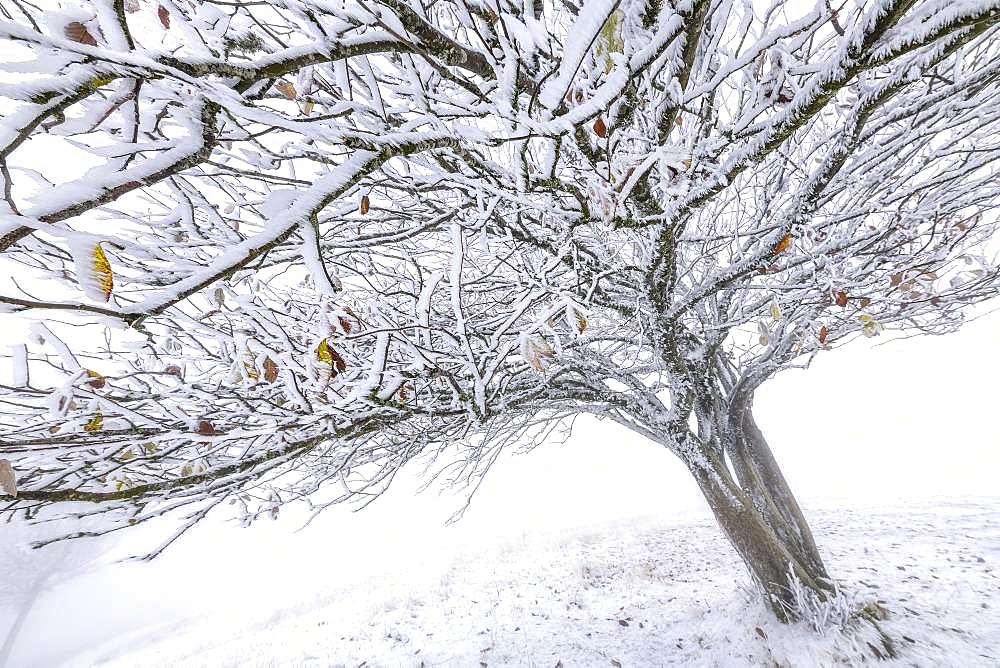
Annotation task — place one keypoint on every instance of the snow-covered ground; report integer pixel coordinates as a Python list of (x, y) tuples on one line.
[(639, 593)]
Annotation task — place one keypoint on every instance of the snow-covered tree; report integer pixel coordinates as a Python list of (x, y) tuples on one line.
[(277, 250)]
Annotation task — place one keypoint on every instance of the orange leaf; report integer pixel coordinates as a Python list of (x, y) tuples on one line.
[(840, 297), (782, 245), (78, 32), (286, 88), (823, 333), (365, 204), (600, 129)]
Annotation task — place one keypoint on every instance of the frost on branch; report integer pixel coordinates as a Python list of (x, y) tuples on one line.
[(278, 250)]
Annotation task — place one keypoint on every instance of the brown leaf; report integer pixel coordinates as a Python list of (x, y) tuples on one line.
[(365, 204), (679, 120), (286, 88), (131, 6), (896, 279), (174, 370), (760, 632), (865, 301), (8, 483), (270, 370), (936, 301), (782, 245), (600, 129), (96, 380), (78, 32), (840, 298), (338, 362), (164, 16), (345, 324), (823, 333), (206, 428)]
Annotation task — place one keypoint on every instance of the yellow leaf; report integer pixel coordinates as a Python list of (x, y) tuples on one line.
[(96, 423), (102, 271), (323, 353), (307, 108), (775, 312)]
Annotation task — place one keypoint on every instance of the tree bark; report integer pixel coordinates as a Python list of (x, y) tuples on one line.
[(769, 549), (761, 479)]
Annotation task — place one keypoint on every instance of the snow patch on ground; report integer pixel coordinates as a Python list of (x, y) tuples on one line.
[(639, 593)]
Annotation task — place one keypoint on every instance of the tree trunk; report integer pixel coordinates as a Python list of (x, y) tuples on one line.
[(771, 550), (761, 479)]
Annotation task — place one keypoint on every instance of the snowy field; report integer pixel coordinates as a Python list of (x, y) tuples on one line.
[(892, 451), (643, 593)]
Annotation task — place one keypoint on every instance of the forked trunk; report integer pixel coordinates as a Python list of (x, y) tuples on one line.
[(763, 522), (760, 478)]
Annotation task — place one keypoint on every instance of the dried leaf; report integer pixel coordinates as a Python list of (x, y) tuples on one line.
[(824, 332), (865, 301), (872, 328), (365, 204), (206, 428), (600, 129), (326, 354), (775, 312), (8, 482), (164, 16), (270, 370), (307, 108), (78, 32), (896, 279), (219, 295), (131, 6), (840, 298), (536, 351), (782, 245), (96, 381), (174, 370), (286, 88), (96, 423), (102, 271)]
